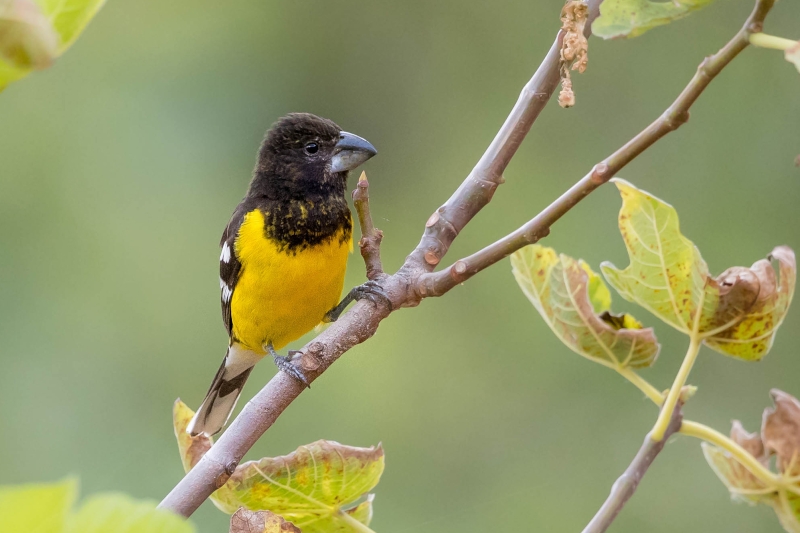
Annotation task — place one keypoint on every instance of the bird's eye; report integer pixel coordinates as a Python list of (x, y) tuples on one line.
[(312, 148)]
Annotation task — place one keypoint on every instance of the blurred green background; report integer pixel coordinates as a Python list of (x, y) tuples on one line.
[(122, 163)]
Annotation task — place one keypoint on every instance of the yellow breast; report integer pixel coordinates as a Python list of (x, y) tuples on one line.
[(281, 295)]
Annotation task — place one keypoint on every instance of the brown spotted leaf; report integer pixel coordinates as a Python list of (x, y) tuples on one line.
[(318, 487), (667, 275), (780, 431), (752, 335), (735, 313), (576, 304), (245, 521)]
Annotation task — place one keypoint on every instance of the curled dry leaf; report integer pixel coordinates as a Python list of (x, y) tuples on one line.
[(246, 521), (574, 48), (736, 313), (752, 334), (576, 304), (780, 431), (630, 18), (316, 487), (780, 435)]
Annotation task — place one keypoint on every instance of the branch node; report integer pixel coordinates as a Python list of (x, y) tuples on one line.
[(309, 360), (433, 219), (600, 173), (432, 257), (460, 267)]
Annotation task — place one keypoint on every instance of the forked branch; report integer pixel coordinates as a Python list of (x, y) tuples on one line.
[(416, 280), (438, 283)]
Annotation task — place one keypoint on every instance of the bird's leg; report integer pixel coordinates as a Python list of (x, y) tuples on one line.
[(284, 364), (369, 290)]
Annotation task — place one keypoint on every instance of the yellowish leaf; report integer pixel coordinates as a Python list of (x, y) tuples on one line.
[(576, 304), (667, 275), (735, 313), (41, 507), (630, 18), (317, 487), (35, 32)]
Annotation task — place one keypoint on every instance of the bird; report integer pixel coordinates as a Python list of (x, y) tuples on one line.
[(284, 254)]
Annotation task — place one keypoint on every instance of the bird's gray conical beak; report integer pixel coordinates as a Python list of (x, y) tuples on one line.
[(350, 152)]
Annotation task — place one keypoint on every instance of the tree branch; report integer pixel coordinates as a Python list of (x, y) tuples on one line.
[(626, 484), (363, 319), (438, 283), (371, 237), (444, 225), (415, 279)]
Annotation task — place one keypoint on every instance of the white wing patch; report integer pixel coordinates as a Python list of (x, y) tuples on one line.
[(225, 256), (226, 291)]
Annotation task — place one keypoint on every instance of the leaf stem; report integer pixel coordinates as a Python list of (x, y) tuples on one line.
[(701, 431), (355, 524), (675, 391), (763, 40), (642, 384)]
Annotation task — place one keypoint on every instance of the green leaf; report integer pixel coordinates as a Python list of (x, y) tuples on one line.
[(667, 276), (34, 32), (40, 508), (630, 18), (315, 487), (576, 304), (118, 513), (27, 39), (245, 521), (70, 17), (736, 313)]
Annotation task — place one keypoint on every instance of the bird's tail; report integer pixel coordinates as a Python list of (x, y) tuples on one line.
[(221, 398)]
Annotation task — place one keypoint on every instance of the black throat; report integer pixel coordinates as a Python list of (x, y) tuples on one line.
[(300, 218)]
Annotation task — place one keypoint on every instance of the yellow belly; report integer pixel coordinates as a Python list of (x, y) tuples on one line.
[(281, 296)]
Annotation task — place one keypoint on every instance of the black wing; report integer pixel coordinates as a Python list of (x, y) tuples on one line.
[(229, 266)]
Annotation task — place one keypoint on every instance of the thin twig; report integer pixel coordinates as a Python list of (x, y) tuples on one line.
[(626, 484), (438, 283), (371, 237)]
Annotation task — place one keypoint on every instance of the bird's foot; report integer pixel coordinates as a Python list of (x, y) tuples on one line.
[(284, 364), (370, 290)]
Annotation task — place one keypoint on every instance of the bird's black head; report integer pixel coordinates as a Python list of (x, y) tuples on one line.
[(304, 156)]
